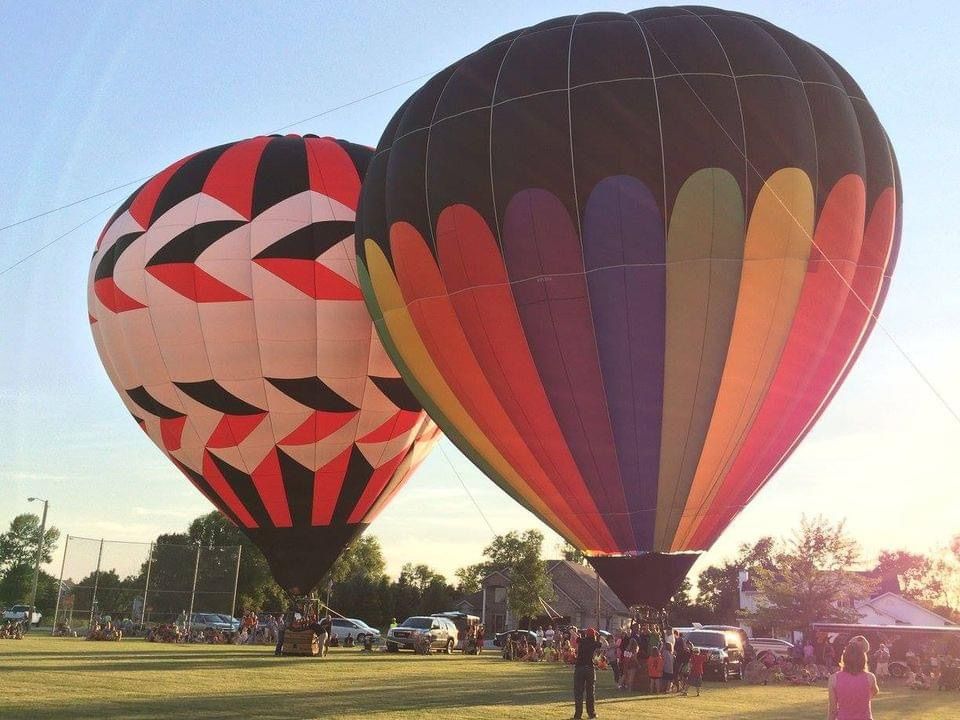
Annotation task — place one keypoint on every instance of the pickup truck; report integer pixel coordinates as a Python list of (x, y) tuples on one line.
[(20, 612)]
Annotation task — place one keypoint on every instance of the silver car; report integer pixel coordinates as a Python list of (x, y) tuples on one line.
[(780, 648), (212, 621), (442, 632), (357, 629)]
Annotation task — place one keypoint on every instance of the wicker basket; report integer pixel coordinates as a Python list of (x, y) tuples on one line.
[(300, 642)]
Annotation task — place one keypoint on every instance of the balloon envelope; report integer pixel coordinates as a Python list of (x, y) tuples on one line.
[(625, 261), (224, 304)]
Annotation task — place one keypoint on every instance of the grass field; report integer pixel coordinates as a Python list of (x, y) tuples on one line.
[(67, 678)]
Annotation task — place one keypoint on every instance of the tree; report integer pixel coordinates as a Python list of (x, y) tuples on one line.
[(571, 553), (256, 589), (719, 587), (16, 585), (364, 558), (18, 546), (810, 579), (519, 556), (916, 573), (470, 577)]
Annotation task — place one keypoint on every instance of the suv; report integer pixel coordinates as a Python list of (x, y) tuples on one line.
[(357, 629), (214, 621), (20, 612), (724, 652), (443, 633)]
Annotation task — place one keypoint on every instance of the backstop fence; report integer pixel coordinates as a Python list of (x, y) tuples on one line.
[(143, 584)]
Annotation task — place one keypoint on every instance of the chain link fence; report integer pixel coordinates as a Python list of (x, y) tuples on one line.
[(140, 585)]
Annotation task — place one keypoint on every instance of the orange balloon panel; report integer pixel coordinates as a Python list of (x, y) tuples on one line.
[(225, 306)]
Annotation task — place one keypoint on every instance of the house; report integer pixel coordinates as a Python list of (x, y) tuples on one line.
[(575, 589), (886, 606), (893, 609)]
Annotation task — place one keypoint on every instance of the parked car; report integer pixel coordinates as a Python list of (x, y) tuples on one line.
[(500, 638), (740, 632), (463, 621), (234, 622), (20, 612), (212, 621), (443, 633), (724, 652), (357, 629), (780, 648)]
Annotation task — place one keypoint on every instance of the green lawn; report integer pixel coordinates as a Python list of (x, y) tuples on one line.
[(68, 678)]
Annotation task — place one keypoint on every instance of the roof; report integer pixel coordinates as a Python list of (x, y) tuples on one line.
[(474, 600), (900, 599), (898, 629), (886, 582), (579, 583), (576, 582)]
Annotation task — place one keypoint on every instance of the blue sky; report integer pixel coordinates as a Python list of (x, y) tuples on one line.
[(98, 94)]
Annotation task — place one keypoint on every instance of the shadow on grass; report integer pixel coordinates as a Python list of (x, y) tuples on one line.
[(425, 695)]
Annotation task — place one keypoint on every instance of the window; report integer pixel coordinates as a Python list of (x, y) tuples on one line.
[(499, 594), (342, 623)]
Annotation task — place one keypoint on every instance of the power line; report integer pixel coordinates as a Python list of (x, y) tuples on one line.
[(54, 241), (328, 111), (351, 102), (71, 204), (466, 489)]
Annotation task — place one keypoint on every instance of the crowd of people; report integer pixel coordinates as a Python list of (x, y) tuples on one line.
[(104, 631), (641, 657), (475, 636), (11, 630)]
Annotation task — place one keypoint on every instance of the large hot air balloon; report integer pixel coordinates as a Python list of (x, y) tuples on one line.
[(224, 304), (624, 261)]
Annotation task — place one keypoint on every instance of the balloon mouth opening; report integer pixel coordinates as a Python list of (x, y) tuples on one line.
[(300, 557), (648, 579)]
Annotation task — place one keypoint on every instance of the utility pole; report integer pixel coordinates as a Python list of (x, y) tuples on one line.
[(236, 581), (193, 592), (56, 610), (146, 587), (36, 567), (598, 602), (96, 584)]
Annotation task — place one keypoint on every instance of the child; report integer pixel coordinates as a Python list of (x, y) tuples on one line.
[(697, 663), (655, 670), (668, 667), (629, 665)]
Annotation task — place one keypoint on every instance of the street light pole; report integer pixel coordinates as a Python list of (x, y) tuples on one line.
[(36, 567)]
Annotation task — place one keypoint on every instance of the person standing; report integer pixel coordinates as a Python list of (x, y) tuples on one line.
[(882, 660), (655, 670), (681, 662), (480, 634), (852, 689), (698, 662), (322, 630), (585, 675), (612, 654), (668, 667)]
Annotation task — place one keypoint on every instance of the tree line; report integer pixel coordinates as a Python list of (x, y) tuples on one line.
[(807, 576)]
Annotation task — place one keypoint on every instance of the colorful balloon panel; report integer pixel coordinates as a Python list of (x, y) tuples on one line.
[(625, 260), (225, 306)]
